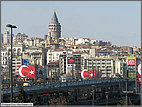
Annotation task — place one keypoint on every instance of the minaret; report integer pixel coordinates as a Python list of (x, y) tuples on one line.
[(54, 32)]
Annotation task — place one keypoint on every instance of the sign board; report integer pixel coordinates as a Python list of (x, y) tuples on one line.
[(131, 66), (131, 62), (26, 61)]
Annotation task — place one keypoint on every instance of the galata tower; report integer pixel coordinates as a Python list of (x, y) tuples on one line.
[(54, 32)]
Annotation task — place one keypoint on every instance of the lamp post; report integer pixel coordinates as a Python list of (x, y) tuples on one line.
[(11, 78), (93, 94), (36, 73), (127, 88), (106, 93)]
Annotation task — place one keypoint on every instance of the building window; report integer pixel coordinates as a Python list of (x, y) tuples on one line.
[(108, 60), (108, 63)]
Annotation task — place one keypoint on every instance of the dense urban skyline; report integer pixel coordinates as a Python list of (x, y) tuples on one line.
[(63, 53), (118, 22)]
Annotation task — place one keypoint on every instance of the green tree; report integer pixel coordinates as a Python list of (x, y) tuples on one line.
[(20, 96), (68, 75)]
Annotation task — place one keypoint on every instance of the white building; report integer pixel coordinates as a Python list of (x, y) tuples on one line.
[(70, 41), (6, 37), (28, 42), (53, 55), (19, 38), (120, 68), (81, 41), (34, 42), (17, 57), (66, 66), (4, 60), (35, 55), (104, 65)]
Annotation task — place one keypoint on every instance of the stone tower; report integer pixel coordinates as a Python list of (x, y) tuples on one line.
[(54, 32)]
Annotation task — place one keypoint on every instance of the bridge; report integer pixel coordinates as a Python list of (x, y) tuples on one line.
[(73, 84), (73, 89)]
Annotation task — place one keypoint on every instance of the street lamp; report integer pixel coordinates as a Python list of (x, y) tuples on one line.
[(106, 93), (11, 78), (93, 100)]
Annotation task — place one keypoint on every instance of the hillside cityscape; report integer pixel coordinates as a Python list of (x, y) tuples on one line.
[(69, 71)]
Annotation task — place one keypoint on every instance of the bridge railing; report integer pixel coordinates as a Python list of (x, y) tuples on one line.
[(65, 84)]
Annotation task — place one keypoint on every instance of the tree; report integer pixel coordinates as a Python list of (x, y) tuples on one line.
[(68, 75), (20, 96)]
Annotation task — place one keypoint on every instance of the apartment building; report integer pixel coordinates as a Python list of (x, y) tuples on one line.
[(35, 55), (53, 55), (105, 65), (16, 60), (19, 38), (6, 37), (66, 66)]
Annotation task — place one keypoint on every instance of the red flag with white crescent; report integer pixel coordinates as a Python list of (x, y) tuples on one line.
[(85, 73), (27, 71), (139, 69), (71, 60), (139, 72)]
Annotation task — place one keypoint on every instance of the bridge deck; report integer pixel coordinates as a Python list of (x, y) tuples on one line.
[(66, 85)]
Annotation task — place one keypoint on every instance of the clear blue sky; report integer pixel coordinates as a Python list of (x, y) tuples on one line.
[(115, 21)]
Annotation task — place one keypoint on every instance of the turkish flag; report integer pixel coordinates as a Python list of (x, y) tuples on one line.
[(139, 69), (87, 73), (27, 71), (139, 72), (139, 80), (71, 60)]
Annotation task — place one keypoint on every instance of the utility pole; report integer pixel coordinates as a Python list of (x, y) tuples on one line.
[(93, 98), (107, 97), (9, 66), (55, 73), (11, 76), (11, 99), (93, 94), (136, 82), (35, 72), (119, 82), (93, 70), (126, 88), (51, 75)]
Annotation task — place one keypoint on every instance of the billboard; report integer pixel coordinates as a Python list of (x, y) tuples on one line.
[(27, 71), (131, 61), (131, 66), (26, 61)]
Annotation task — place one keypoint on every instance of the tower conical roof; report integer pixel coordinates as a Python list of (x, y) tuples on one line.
[(54, 19)]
